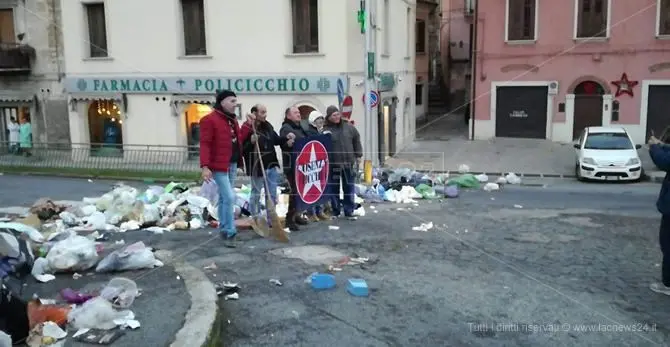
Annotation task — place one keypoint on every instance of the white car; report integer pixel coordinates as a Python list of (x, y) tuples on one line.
[(607, 154)]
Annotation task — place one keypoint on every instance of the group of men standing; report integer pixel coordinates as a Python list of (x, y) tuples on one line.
[(225, 146)]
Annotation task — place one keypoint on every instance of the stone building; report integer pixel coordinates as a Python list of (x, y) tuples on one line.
[(32, 69)]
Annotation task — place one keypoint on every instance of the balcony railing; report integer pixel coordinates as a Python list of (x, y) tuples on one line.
[(15, 58)]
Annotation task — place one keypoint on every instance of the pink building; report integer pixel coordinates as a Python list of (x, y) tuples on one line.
[(547, 69)]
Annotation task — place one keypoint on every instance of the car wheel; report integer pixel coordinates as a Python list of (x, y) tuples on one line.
[(577, 175), (643, 176)]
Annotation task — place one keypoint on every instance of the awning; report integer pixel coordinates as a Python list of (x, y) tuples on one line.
[(22, 98), (96, 97), (192, 99)]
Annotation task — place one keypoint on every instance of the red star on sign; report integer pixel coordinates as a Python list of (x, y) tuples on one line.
[(624, 86), (311, 172)]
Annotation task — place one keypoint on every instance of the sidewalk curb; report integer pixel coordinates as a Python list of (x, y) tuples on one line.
[(200, 318), (493, 173)]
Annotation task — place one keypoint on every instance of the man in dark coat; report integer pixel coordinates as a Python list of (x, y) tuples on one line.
[(221, 141), (266, 138), (660, 155), (346, 152), (291, 125)]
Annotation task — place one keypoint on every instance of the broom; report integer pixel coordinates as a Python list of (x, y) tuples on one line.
[(277, 230)]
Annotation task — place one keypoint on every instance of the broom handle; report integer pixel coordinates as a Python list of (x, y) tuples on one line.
[(260, 159)]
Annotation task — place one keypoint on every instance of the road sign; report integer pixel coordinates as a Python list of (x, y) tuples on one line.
[(374, 98), (347, 107), (340, 91)]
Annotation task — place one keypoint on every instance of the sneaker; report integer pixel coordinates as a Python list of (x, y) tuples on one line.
[(660, 288), (350, 217)]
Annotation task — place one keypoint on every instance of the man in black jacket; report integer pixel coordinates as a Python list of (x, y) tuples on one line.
[(267, 139), (291, 125)]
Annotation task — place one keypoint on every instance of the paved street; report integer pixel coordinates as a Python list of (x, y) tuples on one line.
[(527, 266), (527, 156)]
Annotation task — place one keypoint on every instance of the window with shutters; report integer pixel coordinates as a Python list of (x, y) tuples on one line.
[(420, 36), (521, 20), (305, 26), (663, 18), (97, 30), (592, 19), (193, 17), (7, 32)]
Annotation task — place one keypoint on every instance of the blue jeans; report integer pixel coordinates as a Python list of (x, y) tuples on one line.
[(347, 177), (226, 209), (257, 185)]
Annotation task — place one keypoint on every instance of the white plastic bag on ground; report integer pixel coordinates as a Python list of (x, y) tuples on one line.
[(96, 313), (68, 218), (501, 180), (210, 191), (463, 168), (490, 187), (96, 221), (121, 292), (512, 178), (27, 230), (76, 253), (482, 178), (133, 257)]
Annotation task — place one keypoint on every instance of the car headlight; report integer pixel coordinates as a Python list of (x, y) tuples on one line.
[(588, 161), (633, 161)]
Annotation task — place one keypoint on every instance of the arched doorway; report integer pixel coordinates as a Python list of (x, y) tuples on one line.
[(105, 128), (588, 110), (305, 110), (192, 115)]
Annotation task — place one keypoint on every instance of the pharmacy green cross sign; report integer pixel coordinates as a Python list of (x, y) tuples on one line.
[(204, 85)]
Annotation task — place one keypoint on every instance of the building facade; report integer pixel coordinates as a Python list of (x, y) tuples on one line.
[(456, 32), (32, 69), (426, 13), (137, 80), (547, 69)]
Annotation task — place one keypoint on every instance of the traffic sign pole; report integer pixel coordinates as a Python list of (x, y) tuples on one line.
[(369, 70)]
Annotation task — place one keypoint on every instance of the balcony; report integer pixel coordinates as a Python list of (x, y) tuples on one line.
[(15, 59)]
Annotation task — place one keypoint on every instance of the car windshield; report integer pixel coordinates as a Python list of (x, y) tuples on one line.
[(608, 141)]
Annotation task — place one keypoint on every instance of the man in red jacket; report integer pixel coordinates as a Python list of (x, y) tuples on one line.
[(221, 141)]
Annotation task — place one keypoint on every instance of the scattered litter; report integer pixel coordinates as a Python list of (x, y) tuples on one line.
[(333, 227), (211, 266), (518, 206), (321, 281), (463, 168), (512, 178), (233, 296), (423, 227), (227, 288), (357, 287), (276, 282), (490, 187)]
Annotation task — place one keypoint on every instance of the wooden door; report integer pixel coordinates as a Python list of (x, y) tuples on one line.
[(588, 113), (7, 33)]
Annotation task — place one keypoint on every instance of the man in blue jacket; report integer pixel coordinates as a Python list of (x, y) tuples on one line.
[(660, 155)]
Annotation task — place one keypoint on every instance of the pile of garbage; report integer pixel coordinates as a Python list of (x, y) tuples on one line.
[(405, 185)]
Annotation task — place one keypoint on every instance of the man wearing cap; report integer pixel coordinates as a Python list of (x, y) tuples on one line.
[(221, 141), (345, 153), (291, 125)]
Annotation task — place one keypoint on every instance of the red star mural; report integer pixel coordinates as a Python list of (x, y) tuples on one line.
[(624, 85)]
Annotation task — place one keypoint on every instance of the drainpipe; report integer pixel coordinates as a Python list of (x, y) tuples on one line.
[(473, 60), (56, 40)]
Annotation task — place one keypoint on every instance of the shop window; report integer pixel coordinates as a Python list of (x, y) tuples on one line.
[(105, 125), (192, 116)]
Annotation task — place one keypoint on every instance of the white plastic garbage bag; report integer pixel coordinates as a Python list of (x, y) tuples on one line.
[(463, 168), (133, 257), (96, 313), (482, 178), (501, 180), (76, 253), (96, 221), (210, 191), (512, 178), (68, 218), (490, 187), (32, 233)]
